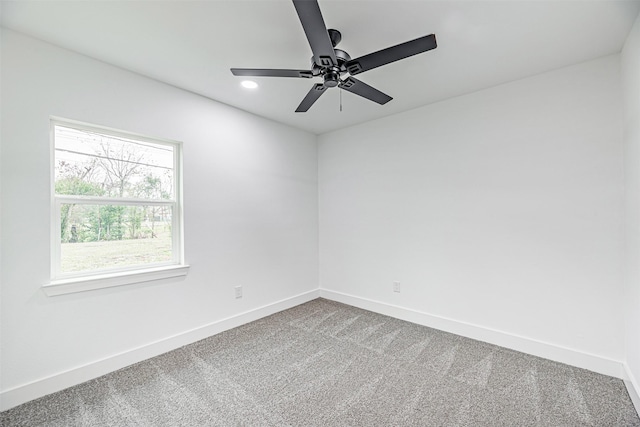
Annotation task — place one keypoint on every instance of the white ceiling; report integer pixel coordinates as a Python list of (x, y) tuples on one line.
[(192, 45)]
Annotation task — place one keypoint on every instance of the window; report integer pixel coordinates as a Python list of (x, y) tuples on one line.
[(116, 206)]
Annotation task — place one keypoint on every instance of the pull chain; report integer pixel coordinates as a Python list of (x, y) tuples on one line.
[(340, 99)]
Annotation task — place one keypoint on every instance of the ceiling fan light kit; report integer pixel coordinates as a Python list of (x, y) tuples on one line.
[(335, 66)]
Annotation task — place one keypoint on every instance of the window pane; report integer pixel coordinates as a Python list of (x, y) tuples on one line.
[(94, 164), (97, 237)]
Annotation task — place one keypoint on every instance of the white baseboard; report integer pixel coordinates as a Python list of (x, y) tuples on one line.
[(534, 347), (24, 393), (633, 387)]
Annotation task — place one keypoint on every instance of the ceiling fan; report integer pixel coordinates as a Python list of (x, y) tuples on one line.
[(334, 64)]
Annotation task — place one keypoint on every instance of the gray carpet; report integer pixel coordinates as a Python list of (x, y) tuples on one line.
[(328, 364)]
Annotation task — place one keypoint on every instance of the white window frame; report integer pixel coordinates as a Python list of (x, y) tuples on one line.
[(63, 283)]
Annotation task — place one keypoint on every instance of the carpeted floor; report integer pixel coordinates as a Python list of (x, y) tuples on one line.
[(329, 364)]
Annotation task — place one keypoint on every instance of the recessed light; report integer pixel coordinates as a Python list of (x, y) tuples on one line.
[(249, 84)]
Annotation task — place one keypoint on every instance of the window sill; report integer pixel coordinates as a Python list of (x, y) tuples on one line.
[(89, 283)]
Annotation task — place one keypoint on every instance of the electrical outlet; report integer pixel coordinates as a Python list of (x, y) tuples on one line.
[(238, 290), (396, 287)]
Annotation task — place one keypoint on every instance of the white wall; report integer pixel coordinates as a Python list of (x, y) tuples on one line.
[(630, 59), (250, 194), (500, 209)]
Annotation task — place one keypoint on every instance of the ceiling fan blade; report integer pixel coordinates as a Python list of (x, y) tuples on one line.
[(316, 31), (391, 54), (268, 72), (313, 95), (360, 88)]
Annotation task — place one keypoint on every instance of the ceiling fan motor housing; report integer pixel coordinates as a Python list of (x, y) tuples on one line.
[(331, 75)]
